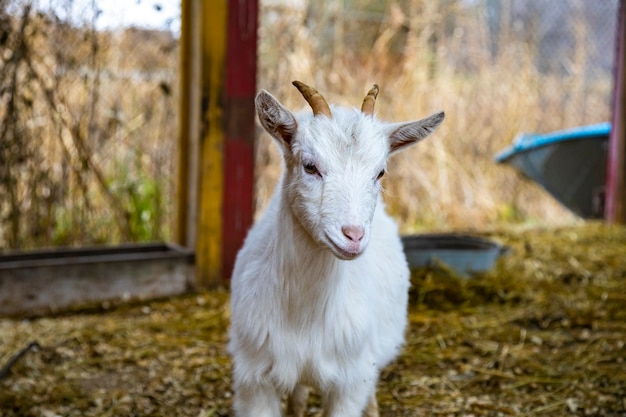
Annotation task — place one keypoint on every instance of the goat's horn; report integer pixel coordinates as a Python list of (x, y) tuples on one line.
[(314, 98), (370, 100)]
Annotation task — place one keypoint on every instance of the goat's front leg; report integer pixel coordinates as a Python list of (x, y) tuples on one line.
[(353, 402), (372, 407), (297, 402), (256, 401)]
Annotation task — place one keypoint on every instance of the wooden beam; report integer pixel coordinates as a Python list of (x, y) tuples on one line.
[(240, 89), (216, 166), (615, 208), (210, 167)]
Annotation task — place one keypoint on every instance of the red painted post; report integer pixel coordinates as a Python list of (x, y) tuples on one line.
[(239, 92), (615, 208)]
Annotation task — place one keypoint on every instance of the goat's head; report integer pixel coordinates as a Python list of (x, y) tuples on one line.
[(334, 161)]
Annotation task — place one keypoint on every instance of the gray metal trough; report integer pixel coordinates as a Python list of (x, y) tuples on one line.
[(462, 253), (39, 282)]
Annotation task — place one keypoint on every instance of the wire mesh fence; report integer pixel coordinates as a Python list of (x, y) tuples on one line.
[(569, 44), (88, 116)]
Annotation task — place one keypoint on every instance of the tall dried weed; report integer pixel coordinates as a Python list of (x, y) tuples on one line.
[(428, 56)]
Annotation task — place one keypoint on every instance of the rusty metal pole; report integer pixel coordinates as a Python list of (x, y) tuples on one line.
[(189, 121), (615, 207)]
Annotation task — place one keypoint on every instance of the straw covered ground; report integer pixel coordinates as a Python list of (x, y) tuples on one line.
[(542, 334)]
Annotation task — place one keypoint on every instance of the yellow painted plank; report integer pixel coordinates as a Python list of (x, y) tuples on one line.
[(209, 233)]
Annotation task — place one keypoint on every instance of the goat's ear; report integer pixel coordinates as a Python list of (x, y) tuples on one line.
[(276, 118), (407, 133)]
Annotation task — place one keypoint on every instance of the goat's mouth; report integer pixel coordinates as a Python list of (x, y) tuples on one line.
[(344, 253)]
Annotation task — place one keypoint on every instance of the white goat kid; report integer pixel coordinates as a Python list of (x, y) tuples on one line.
[(319, 289)]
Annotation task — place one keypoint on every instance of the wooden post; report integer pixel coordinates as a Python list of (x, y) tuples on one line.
[(218, 76), (241, 63), (210, 193), (615, 208)]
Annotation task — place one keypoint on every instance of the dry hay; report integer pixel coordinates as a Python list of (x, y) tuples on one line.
[(542, 334)]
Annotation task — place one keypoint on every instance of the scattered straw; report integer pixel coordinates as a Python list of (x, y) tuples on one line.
[(544, 334)]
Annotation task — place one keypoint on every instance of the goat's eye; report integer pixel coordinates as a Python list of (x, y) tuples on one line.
[(380, 174), (310, 169)]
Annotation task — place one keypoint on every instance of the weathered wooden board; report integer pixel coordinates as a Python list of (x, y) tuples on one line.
[(54, 280)]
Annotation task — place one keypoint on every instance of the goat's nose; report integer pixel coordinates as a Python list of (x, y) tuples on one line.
[(354, 233)]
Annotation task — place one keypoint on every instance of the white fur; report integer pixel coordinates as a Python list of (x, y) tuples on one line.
[(310, 305)]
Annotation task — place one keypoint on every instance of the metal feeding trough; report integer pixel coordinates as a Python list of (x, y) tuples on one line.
[(37, 282), (462, 253)]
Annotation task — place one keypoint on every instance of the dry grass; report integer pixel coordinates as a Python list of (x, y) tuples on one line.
[(88, 152), (427, 56), (88, 138), (544, 334)]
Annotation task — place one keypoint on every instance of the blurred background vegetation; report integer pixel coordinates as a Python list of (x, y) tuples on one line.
[(89, 115), (88, 125)]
